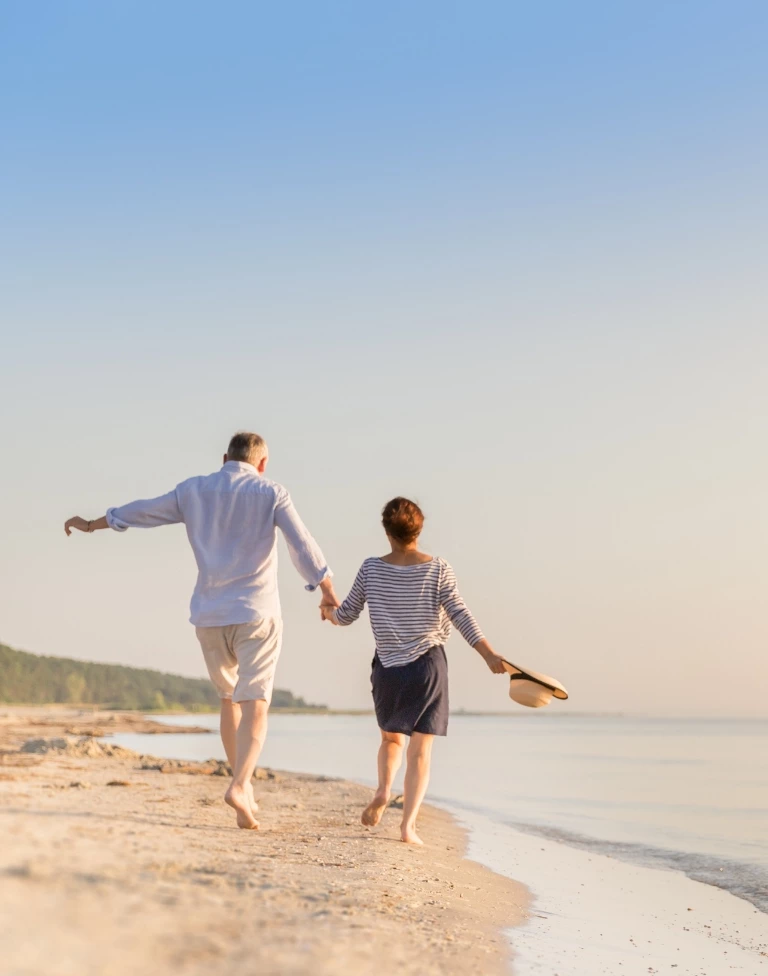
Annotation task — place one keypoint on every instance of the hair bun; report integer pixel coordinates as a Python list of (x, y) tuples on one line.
[(403, 520)]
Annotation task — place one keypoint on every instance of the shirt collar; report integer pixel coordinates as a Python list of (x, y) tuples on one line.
[(240, 466)]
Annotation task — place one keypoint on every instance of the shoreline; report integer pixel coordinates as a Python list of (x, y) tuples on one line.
[(588, 913), (21, 722), (122, 713), (596, 915), (135, 866), (588, 880)]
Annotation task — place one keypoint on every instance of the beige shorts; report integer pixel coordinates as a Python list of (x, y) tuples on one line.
[(241, 658)]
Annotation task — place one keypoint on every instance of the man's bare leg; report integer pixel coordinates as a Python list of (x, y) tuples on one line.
[(231, 714), (249, 740), (389, 759), (416, 780)]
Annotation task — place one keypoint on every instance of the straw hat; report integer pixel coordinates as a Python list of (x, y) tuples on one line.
[(531, 688)]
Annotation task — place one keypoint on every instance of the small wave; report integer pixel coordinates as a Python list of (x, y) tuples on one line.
[(747, 881)]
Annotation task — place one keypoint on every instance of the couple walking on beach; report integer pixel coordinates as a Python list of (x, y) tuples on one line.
[(231, 518)]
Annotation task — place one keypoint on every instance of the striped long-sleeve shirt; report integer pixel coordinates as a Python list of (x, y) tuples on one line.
[(411, 608)]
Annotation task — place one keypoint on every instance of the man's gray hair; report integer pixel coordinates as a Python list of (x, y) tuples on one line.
[(247, 447)]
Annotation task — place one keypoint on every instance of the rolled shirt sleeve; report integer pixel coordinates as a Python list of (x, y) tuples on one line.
[(146, 513), (305, 553)]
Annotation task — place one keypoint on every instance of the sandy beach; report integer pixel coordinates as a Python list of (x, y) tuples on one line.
[(115, 863)]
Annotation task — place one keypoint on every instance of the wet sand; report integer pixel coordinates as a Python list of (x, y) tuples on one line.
[(112, 863)]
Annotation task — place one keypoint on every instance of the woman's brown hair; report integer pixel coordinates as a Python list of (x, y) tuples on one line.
[(403, 520)]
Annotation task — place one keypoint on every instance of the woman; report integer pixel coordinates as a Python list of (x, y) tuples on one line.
[(412, 600)]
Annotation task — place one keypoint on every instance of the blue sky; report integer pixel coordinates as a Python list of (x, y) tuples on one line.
[(507, 258)]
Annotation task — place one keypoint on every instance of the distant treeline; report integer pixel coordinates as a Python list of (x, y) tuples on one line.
[(31, 679)]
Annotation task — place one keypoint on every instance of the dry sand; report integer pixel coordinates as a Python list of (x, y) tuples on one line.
[(110, 865)]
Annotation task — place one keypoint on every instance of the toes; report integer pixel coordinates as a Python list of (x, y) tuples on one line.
[(246, 820), (247, 823), (411, 837)]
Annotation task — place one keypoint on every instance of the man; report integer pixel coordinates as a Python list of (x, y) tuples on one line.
[(231, 518)]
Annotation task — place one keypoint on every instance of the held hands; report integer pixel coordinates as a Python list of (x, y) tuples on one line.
[(329, 601), (326, 612)]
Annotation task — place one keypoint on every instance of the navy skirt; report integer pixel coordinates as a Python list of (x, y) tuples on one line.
[(413, 697)]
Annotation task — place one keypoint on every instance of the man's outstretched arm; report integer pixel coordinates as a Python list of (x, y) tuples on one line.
[(82, 525), (142, 514)]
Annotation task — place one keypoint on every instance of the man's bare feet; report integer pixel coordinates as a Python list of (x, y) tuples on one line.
[(240, 801), (408, 835), (375, 810)]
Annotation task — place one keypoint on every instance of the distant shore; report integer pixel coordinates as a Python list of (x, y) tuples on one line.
[(120, 713), (115, 863)]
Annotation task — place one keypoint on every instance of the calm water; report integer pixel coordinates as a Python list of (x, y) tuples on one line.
[(685, 794)]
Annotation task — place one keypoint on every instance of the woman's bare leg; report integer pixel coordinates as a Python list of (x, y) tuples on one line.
[(416, 780), (389, 759), (229, 723)]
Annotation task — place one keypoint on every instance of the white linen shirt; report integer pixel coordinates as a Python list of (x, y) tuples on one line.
[(231, 518)]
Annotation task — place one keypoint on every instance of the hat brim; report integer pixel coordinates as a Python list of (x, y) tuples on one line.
[(513, 670)]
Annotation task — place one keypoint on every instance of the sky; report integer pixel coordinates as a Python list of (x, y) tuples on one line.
[(505, 258)]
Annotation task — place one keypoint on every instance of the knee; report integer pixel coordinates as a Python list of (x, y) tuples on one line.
[(393, 739), (253, 706), (420, 747), (255, 713)]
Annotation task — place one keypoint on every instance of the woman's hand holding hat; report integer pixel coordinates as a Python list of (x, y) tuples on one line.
[(494, 661)]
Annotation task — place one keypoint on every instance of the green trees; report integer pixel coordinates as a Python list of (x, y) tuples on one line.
[(76, 687), (31, 679)]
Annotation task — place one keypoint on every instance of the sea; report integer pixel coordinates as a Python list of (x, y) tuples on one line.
[(685, 795)]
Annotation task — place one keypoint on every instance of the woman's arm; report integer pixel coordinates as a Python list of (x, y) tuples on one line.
[(352, 607), (465, 623), (494, 661)]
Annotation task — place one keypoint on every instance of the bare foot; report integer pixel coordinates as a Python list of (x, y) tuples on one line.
[(254, 801), (408, 835), (375, 810), (240, 801)]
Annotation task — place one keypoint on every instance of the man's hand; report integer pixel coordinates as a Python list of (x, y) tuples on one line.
[(494, 661), (329, 601), (329, 594), (84, 526), (326, 613)]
